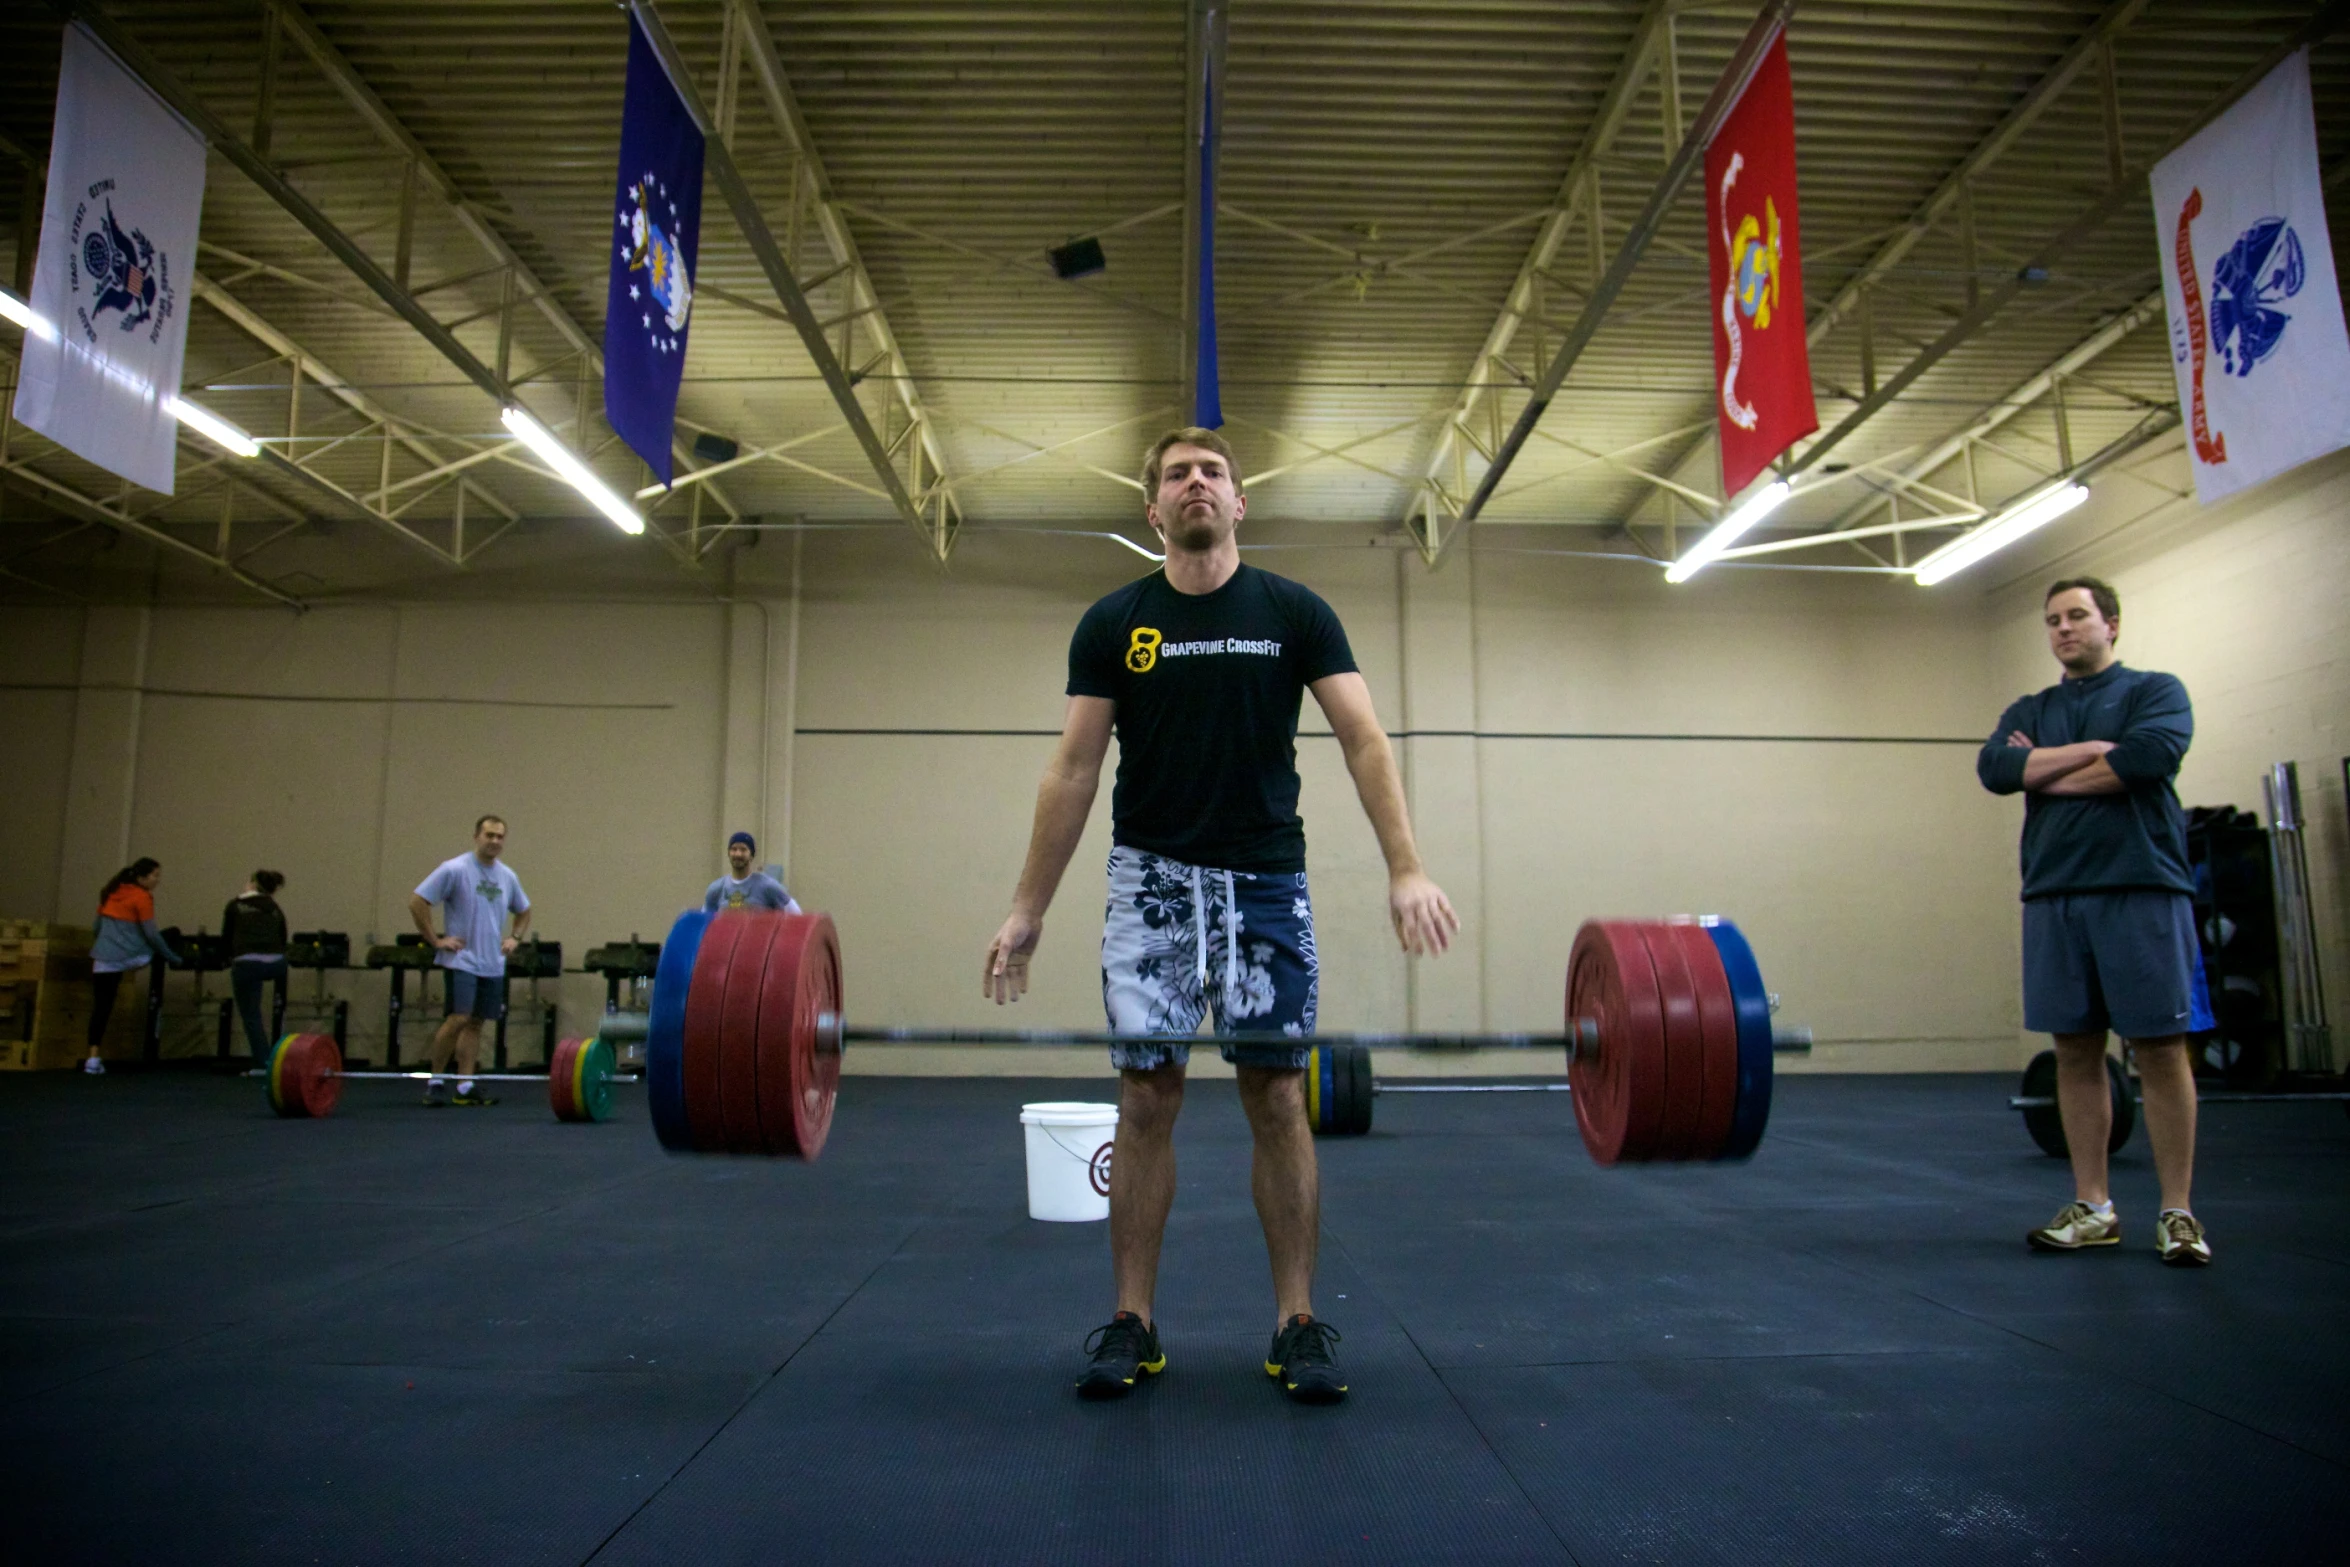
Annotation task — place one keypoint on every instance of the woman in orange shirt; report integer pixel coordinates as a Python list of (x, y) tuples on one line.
[(127, 941)]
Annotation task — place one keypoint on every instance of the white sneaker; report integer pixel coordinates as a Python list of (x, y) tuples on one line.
[(2077, 1225), (2178, 1236), (93, 1066)]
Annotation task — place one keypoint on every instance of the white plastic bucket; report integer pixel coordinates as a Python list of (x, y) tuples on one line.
[(1069, 1160)]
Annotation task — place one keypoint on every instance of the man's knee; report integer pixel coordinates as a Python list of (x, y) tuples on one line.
[(2080, 1049), (1278, 1093), (1148, 1102)]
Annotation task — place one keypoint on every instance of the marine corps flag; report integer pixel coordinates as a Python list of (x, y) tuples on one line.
[(1762, 369), (656, 236)]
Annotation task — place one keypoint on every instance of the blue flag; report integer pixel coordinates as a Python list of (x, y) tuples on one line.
[(657, 234), (1207, 400)]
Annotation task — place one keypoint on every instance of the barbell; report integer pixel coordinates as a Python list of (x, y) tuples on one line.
[(306, 1077), (1667, 1040)]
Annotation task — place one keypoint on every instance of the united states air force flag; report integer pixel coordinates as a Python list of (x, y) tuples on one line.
[(656, 234), (2257, 340), (118, 246)]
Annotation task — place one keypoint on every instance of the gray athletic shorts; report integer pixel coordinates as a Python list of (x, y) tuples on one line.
[(472, 995), (2123, 961), (1180, 941)]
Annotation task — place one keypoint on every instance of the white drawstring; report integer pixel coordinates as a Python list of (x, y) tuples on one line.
[(1199, 910), (1199, 915), (1231, 950)]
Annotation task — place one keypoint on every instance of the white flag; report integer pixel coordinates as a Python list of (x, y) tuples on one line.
[(118, 246), (2248, 276)]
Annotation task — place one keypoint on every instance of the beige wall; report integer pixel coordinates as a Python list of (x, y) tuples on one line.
[(2248, 603), (1581, 740), (351, 748)]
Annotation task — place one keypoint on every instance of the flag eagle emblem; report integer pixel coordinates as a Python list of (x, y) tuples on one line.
[(122, 271), (651, 248)]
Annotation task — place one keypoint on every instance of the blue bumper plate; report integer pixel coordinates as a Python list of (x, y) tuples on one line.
[(1753, 1003), (665, 1030)]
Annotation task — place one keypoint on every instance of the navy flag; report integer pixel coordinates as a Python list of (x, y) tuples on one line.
[(657, 234)]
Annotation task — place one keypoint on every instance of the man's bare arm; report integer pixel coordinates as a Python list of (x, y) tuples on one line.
[(421, 912), (2047, 764), (1063, 801), (2094, 777), (1423, 916), (521, 931)]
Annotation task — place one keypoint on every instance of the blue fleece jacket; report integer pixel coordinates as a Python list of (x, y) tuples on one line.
[(2101, 842)]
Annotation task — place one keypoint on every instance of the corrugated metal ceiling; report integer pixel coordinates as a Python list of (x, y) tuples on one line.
[(1386, 168)]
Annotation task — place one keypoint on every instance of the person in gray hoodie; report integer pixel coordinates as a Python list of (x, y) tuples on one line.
[(127, 941)]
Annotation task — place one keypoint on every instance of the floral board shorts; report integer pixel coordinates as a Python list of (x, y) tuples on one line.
[(1180, 941)]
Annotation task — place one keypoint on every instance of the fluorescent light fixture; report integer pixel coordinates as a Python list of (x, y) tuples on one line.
[(16, 310), (575, 473), (213, 428), (2001, 531), (1727, 532)]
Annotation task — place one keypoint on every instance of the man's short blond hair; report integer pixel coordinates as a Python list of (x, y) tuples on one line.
[(1190, 435)]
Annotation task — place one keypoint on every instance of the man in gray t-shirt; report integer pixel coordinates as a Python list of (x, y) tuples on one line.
[(744, 887), (478, 894)]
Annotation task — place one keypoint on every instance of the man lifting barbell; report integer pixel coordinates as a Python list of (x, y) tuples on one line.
[(1200, 668)]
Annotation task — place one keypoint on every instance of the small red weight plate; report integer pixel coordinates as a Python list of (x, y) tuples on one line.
[(559, 1069), (313, 1073), (1717, 1014), (1620, 1095), (1684, 1043), (738, 1033), (705, 1009), (797, 1085)]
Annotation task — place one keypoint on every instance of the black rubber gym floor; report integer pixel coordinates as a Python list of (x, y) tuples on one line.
[(457, 1336)]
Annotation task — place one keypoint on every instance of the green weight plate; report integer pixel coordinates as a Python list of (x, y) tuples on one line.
[(593, 1084)]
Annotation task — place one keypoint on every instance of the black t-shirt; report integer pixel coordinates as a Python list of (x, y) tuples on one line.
[(1208, 688)]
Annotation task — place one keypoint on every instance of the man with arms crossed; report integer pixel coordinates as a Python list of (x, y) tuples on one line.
[(2109, 922), (477, 893), (1199, 668), (743, 887)]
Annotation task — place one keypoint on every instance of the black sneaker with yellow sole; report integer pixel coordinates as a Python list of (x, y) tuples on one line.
[(1123, 1350), (472, 1096), (1300, 1361)]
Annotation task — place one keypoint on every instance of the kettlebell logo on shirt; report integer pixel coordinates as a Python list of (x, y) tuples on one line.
[(1143, 651)]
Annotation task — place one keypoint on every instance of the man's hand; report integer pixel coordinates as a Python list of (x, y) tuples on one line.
[(1424, 921), (506, 947), (449, 943), (2016, 737), (1006, 975)]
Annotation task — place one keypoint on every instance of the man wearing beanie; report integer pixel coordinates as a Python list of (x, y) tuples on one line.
[(743, 887)]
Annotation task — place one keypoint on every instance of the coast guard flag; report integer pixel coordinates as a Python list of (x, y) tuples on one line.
[(656, 236), (118, 245), (1762, 368), (2248, 282)]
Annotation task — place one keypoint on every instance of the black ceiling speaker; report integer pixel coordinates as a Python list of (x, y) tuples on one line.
[(714, 448), (1078, 258)]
